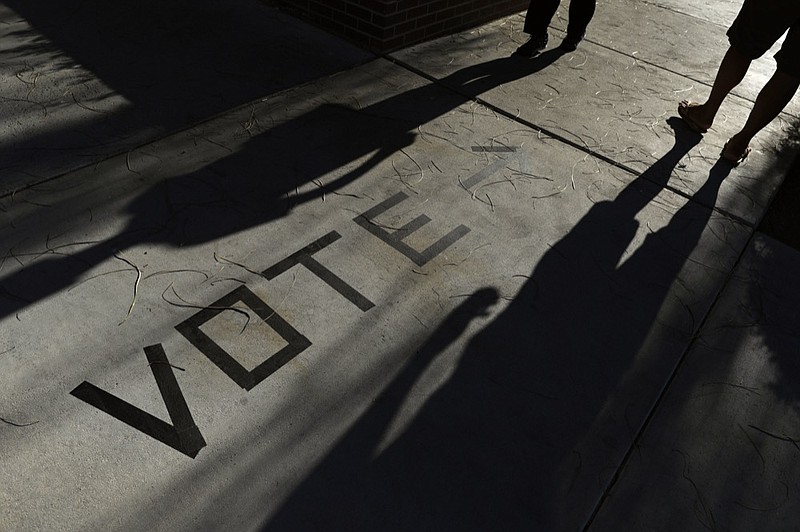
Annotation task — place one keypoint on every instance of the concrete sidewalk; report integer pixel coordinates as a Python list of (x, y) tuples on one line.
[(444, 289)]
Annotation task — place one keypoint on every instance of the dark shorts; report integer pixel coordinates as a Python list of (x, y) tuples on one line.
[(761, 23)]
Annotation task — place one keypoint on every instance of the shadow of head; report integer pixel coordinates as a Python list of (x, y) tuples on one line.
[(479, 303)]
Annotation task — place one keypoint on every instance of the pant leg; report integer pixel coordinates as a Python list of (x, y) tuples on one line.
[(539, 15), (580, 14)]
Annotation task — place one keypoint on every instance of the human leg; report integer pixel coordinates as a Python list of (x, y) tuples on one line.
[(731, 71), (757, 26), (776, 94), (580, 14), (537, 18), (772, 99)]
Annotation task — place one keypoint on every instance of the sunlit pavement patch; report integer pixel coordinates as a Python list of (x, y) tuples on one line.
[(612, 101)]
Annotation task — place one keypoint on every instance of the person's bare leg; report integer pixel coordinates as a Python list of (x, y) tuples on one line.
[(732, 70), (772, 99)]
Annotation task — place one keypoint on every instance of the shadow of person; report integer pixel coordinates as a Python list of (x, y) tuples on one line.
[(258, 184), (146, 67), (498, 446)]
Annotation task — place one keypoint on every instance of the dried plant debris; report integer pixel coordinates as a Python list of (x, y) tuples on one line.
[(15, 424), (185, 304), (119, 256)]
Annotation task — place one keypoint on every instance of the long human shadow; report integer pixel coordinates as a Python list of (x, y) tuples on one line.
[(258, 184), (496, 447)]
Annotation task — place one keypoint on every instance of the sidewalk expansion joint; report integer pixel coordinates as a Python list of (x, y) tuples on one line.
[(662, 394), (733, 93), (178, 130), (585, 149), (558, 137), (679, 12)]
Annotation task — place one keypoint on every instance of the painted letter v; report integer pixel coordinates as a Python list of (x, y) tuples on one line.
[(183, 435)]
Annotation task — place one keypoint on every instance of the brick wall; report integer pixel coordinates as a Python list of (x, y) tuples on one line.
[(385, 25)]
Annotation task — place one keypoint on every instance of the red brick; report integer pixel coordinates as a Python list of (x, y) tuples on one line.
[(416, 12), (385, 25), (389, 20), (371, 29), (402, 29), (446, 14)]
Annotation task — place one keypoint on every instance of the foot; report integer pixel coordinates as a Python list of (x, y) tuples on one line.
[(532, 47), (735, 151), (571, 42), (692, 114)]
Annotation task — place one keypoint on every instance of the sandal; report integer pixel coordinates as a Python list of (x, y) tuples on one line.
[(733, 158), (694, 125)]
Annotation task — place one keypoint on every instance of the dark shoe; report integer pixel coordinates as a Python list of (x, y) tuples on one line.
[(570, 43), (532, 47)]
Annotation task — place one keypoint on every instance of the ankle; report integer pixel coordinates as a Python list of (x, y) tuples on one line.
[(705, 113), (740, 141)]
